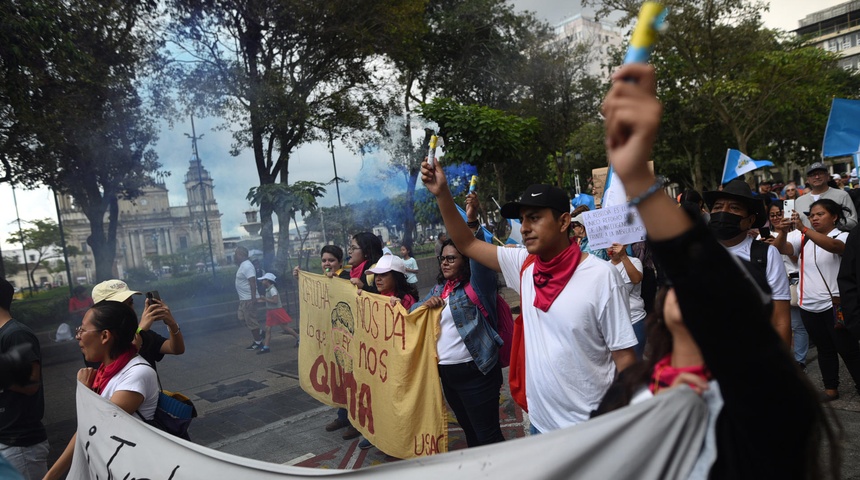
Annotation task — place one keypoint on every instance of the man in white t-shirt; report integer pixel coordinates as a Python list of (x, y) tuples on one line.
[(246, 288), (734, 211), (575, 311)]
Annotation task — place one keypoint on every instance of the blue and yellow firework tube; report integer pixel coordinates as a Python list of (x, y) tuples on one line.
[(652, 17), (473, 184)]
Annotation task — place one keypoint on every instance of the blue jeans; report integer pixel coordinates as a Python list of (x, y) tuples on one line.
[(31, 461), (801, 338), (474, 398), (533, 430), (342, 415), (639, 330)]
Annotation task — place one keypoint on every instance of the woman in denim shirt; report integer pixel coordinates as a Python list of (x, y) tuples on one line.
[(468, 345)]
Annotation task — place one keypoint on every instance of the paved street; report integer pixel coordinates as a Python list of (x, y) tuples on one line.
[(251, 405)]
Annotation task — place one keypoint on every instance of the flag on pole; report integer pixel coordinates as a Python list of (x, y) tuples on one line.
[(738, 164), (516, 237), (842, 135)]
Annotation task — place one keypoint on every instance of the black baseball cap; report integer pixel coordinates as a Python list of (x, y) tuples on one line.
[(541, 196)]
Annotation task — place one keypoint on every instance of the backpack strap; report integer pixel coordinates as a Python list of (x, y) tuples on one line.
[(473, 297), (758, 254)]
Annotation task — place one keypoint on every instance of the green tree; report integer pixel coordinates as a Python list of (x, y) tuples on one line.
[(11, 264), (487, 138), (43, 238), (75, 120), (286, 73), (298, 198), (727, 79)]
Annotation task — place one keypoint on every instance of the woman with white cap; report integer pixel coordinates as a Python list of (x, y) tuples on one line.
[(390, 280), (275, 313)]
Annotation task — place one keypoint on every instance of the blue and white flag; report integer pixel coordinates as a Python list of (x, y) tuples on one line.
[(738, 163), (842, 135), (516, 237)]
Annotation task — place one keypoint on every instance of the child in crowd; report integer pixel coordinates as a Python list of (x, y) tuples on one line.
[(275, 313)]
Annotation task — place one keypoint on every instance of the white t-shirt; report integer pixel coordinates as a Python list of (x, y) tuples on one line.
[(813, 293), (272, 292), (634, 291), (777, 279), (569, 363), (790, 265), (243, 287), (411, 264), (450, 346), (133, 378)]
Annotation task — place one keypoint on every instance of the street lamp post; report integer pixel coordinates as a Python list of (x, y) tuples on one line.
[(194, 139), (577, 157)]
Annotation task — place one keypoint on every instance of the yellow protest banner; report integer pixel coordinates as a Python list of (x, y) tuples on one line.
[(377, 361)]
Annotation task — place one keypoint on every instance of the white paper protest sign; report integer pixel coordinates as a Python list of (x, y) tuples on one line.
[(610, 225)]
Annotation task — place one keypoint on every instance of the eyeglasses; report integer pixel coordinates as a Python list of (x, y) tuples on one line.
[(80, 331), (447, 258), (351, 248), (775, 215)]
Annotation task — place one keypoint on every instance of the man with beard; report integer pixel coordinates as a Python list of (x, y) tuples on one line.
[(734, 211)]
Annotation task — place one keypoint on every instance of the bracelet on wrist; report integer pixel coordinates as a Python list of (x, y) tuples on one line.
[(178, 330), (804, 230), (635, 201), (472, 224)]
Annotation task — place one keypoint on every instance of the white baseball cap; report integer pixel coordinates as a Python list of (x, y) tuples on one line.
[(389, 263), (114, 290), (269, 276)]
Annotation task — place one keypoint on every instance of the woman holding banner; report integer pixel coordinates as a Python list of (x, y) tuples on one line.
[(364, 251), (124, 377), (468, 345)]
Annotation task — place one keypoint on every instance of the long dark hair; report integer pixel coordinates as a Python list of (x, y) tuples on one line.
[(826, 429), (370, 245), (402, 287), (119, 319), (465, 272)]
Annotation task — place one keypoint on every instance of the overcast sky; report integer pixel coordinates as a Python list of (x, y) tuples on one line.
[(235, 175)]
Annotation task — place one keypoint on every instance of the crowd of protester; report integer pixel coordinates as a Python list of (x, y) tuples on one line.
[(725, 298)]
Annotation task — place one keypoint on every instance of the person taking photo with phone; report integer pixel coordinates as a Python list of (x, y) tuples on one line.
[(152, 346)]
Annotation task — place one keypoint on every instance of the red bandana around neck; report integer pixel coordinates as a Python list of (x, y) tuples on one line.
[(450, 286), (664, 373), (356, 271), (104, 374), (551, 277)]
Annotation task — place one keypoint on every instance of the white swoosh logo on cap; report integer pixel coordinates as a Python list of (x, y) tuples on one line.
[(536, 194)]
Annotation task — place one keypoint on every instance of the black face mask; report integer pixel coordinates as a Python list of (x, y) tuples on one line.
[(725, 225)]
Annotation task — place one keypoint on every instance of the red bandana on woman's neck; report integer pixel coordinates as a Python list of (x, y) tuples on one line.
[(104, 374), (407, 301), (664, 373), (357, 270), (449, 287), (551, 277)]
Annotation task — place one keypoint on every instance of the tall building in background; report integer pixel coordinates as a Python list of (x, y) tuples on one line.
[(150, 229), (599, 37), (836, 29)]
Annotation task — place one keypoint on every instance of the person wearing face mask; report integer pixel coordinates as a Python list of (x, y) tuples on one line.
[(734, 211)]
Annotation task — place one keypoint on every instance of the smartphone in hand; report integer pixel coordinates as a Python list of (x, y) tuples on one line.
[(787, 208)]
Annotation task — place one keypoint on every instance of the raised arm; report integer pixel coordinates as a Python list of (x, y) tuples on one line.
[(482, 252)]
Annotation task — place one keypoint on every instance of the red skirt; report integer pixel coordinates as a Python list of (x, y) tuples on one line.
[(277, 316)]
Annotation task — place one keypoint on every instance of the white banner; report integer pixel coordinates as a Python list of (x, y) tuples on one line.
[(609, 225), (658, 438)]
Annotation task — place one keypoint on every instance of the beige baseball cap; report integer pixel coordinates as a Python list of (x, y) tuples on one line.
[(113, 290)]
